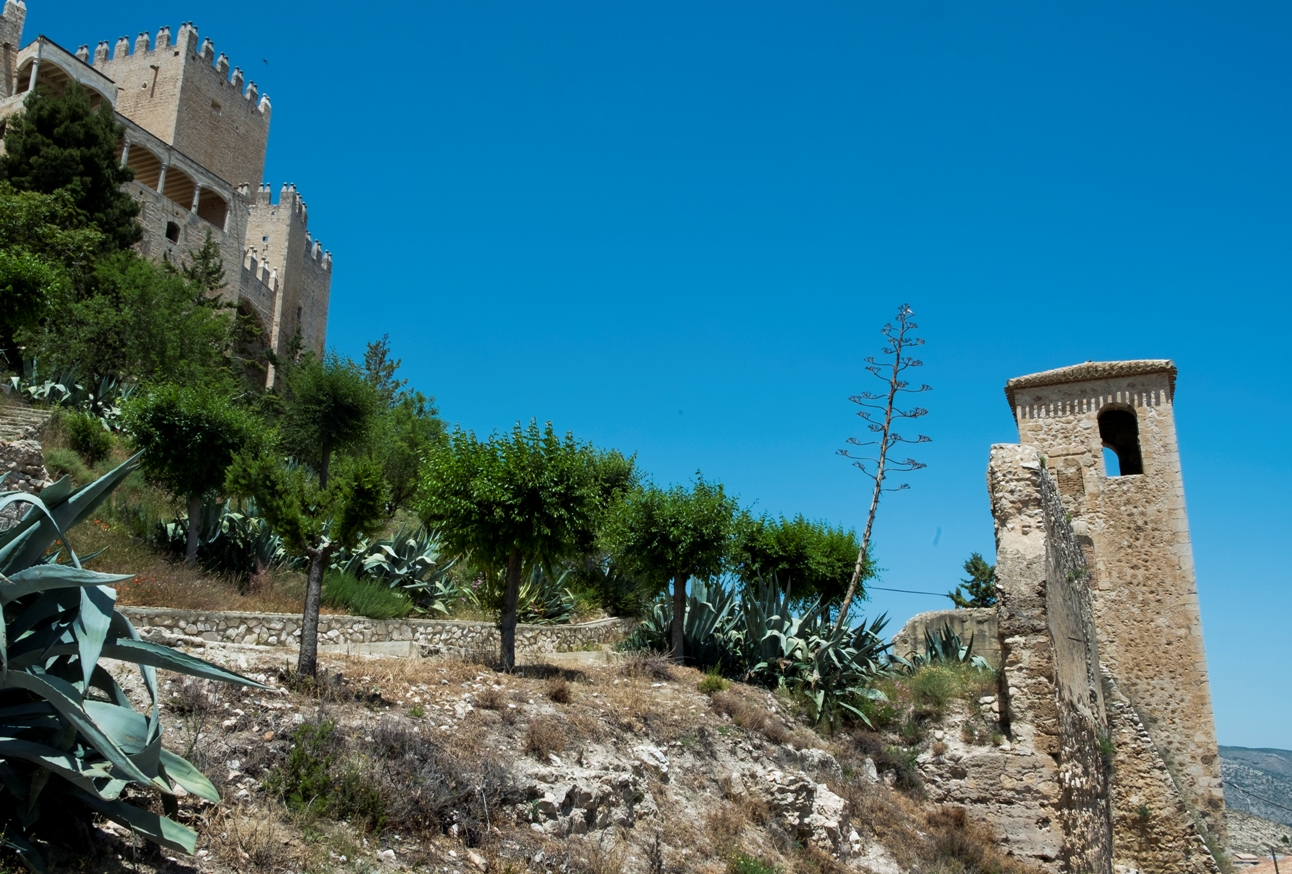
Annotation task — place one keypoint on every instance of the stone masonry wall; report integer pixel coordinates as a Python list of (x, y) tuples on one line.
[(423, 637), (1085, 785), (23, 465), (1135, 531)]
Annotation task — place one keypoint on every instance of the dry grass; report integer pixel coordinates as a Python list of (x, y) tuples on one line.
[(557, 689), (251, 840), (543, 737), (752, 717), (649, 666)]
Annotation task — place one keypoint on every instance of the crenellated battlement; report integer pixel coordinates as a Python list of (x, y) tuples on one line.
[(259, 270), (186, 47)]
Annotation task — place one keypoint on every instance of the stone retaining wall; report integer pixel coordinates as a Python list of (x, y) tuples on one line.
[(424, 637)]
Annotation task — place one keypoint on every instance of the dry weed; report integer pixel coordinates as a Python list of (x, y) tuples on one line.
[(491, 699), (752, 717), (649, 666), (544, 737), (253, 839), (557, 689), (726, 823)]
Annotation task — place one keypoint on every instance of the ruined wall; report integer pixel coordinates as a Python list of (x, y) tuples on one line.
[(1051, 705), (183, 94), (1136, 534), (976, 624)]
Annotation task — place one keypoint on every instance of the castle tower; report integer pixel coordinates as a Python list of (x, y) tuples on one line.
[(1106, 431), (11, 22), (181, 93)]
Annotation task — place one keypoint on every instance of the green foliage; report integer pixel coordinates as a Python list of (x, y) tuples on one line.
[(66, 389), (86, 434), (301, 512), (979, 590), (811, 559), (946, 649), (530, 492), (761, 639), (330, 408), (713, 683), (743, 863), (76, 743), (660, 534), (357, 597), (188, 436), (403, 433), (304, 780), (61, 143), (45, 244), (934, 686), (133, 320), (523, 499)]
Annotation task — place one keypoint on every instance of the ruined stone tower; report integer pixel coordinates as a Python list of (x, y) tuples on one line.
[(1127, 511)]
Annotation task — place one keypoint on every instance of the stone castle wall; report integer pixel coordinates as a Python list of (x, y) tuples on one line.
[(1135, 532)]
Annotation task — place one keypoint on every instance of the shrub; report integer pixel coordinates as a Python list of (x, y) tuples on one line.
[(544, 737), (934, 686), (86, 434), (713, 683), (342, 591), (743, 863), (557, 690), (66, 462), (304, 781)]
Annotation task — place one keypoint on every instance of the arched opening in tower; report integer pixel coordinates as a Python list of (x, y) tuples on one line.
[(1119, 433)]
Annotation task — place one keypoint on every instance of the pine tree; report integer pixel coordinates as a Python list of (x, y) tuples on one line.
[(60, 142), (980, 587)]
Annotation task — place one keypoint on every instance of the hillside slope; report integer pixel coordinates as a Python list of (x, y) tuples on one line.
[(440, 765), (1258, 781)]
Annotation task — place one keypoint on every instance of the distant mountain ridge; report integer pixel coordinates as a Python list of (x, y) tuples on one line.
[(1258, 781)]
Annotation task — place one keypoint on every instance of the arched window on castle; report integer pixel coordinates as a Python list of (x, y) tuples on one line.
[(1119, 433)]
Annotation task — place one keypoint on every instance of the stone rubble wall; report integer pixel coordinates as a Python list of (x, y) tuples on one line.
[(424, 637), (24, 463)]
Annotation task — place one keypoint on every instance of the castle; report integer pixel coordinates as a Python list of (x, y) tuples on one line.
[(195, 137)]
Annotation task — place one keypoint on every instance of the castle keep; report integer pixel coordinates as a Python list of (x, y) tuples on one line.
[(195, 136)]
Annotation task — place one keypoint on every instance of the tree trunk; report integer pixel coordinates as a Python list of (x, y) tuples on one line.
[(510, 595), (679, 617), (327, 461), (194, 524), (307, 664)]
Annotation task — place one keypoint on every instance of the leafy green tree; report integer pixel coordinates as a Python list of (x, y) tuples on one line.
[(205, 271), (60, 142), (673, 534), (379, 370), (980, 589), (189, 436), (314, 521), (330, 408), (812, 558), (528, 497), (46, 245), (134, 319)]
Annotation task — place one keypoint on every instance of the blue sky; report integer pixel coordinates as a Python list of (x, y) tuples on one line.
[(675, 229)]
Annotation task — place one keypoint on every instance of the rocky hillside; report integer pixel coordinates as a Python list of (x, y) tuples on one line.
[(1258, 781), (598, 766)]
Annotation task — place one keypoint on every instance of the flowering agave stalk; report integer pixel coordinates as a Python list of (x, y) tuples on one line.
[(71, 742)]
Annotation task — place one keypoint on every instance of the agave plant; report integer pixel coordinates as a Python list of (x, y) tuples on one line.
[(711, 628), (228, 540), (412, 561), (67, 389), (70, 740), (946, 649)]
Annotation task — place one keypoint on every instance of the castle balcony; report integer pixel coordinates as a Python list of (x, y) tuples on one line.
[(44, 63), (174, 181)]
